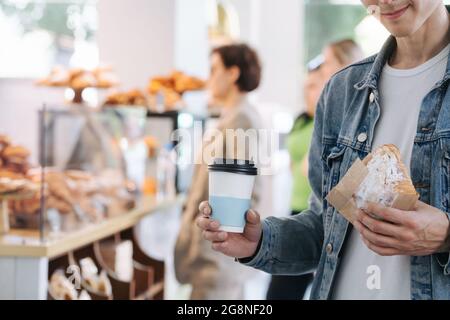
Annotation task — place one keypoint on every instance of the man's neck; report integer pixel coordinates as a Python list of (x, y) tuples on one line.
[(424, 44)]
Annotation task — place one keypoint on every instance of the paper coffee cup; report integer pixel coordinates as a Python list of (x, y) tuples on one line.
[(230, 190)]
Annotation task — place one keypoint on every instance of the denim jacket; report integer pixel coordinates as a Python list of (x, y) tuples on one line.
[(345, 121)]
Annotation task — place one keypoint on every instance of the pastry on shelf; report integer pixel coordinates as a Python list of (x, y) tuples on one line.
[(29, 206), (118, 98), (154, 86), (14, 165), (91, 278), (158, 83), (57, 196), (60, 288), (75, 73), (5, 173), (81, 182), (177, 81), (134, 97), (171, 99), (11, 152), (83, 80), (166, 92), (59, 204), (78, 175), (58, 187), (79, 78), (8, 185), (165, 100), (4, 141), (79, 193), (15, 159), (69, 192), (58, 77), (32, 205), (14, 162), (105, 76), (185, 83), (137, 97)]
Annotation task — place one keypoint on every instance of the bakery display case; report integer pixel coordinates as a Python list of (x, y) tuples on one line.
[(82, 175), (68, 219), (67, 223), (131, 141)]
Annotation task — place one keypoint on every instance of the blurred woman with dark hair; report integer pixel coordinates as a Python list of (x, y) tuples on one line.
[(235, 71)]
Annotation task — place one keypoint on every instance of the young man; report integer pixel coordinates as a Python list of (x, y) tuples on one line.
[(400, 96)]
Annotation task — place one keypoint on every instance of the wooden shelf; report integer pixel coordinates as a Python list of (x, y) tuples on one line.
[(26, 243)]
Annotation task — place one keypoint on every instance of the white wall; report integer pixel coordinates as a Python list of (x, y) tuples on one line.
[(246, 14), (143, 38), (191, 37), (275, 29), (278, 41), (137, 38), (20, 101)]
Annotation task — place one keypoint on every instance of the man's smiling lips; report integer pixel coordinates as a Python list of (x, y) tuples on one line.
[(395, 14)]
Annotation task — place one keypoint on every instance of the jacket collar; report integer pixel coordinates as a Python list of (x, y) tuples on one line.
[(371, 79)]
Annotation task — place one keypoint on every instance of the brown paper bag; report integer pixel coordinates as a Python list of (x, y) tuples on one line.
[(342, 198)]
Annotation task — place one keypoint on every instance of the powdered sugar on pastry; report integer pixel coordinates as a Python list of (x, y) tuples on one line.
[(379, 186)]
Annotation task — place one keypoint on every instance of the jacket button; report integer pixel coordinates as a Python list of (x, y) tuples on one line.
[(372, 97), (362, 137), (329, 248)]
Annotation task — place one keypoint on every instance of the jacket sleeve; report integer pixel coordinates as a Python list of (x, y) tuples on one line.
[(293, 245)]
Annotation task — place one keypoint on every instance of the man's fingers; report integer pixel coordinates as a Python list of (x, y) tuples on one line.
[(205, 208), (215, 236), (388, 214), (220, 246), (377, 226), (377, 239), (252, 217), (380, 250), (207, 223)]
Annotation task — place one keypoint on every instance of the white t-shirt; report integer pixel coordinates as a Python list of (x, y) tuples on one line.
[(362, 273)]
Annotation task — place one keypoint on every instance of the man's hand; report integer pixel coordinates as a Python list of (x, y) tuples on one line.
[(237, 245), (423, 231)]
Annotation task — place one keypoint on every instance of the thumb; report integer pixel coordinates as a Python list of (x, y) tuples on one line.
[(253, 226), (252, 217)]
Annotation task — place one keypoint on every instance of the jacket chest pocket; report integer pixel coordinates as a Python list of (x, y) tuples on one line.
[(337, 162), (334, 160)]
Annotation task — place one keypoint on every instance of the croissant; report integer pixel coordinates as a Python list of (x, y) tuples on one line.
[(387, 178)]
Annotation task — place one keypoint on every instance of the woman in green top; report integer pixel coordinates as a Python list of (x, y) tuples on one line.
[(335, 57), (298, 144)]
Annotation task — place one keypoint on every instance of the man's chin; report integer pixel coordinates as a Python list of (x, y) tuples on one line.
[(400, 32)]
